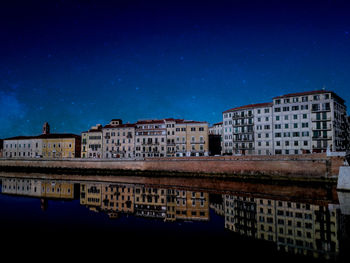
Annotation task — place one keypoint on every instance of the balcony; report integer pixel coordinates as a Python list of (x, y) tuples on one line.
[(319, 119), (322, 128), (320, 109), (322, 137)]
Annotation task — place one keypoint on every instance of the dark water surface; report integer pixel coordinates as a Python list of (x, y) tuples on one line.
[(174, 219)]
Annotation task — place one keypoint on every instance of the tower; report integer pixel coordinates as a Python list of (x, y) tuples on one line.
[(46, 128)]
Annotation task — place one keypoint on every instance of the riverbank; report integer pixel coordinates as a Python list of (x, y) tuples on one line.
[(312, 167)]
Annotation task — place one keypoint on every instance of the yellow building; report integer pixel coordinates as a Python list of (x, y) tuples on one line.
[(91, 146), (150, 202), (197, 138), (60, 145), (57, 189), (118, 198), (91, 194), (192, 205)]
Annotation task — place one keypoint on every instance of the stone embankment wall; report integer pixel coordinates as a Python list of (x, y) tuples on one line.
[(305, 166)]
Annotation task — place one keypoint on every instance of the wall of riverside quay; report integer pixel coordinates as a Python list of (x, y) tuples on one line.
[(306, 166)]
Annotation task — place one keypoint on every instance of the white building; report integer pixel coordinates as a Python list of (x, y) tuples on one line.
[(308, 122), (294, 123)]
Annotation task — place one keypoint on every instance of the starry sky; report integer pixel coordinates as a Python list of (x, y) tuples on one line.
[(78, 63)]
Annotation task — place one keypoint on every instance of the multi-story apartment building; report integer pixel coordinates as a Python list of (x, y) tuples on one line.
[(171, 137), (247, 129), (294, 123), (91, 145), (150, 138), (197, 139), (118, 140), (308, 122)]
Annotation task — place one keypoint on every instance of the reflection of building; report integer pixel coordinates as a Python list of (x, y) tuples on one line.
[(240, 215), (57, 189), (150, 202), (21, 186), (192, 205), (297, 228), (91, 195), (118, 198)]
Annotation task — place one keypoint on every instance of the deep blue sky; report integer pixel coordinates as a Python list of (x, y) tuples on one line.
[(78, 63)]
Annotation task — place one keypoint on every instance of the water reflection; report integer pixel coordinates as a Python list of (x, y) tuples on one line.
[(313, 228)]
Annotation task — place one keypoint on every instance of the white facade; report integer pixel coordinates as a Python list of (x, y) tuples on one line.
[(22, 147), (119, 141), (296, 123)]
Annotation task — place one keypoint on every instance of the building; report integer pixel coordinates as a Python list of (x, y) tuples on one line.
[(197, 139), (118, 140), (215, 139), (192, 205), (91, 146), (23, 147), (47, 145), (150, 202), (1, 147), (244, 126), (297, 228), (308, 122), (117, 198), (150, 138), (296, 123), (60, 145)]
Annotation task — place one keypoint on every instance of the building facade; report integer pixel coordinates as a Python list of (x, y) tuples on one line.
[(118, 140), (60, 145), (247, 129), (297, 123), (91, 146), (46, 145), (151, 138)]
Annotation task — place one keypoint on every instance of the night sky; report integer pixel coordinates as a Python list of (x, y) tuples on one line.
[(78, 63)]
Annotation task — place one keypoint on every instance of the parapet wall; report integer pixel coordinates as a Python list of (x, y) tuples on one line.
[(305, 166)]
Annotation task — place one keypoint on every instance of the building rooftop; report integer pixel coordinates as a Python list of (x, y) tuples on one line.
[(45, 136), (126, 125), (251, 106), (306, 93)]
